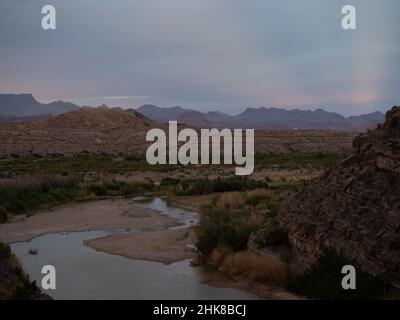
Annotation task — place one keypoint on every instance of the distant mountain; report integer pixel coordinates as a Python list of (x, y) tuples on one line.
[(265, 119), (24, 107), (14, 106), (162, 115), (368, 120)]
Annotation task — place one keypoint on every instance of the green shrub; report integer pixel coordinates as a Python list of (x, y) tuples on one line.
[(121, 188), (5, 251), (22, 199), (97, 189), (205, 186), (168, 181), (323, 280), (3, 215), (220, 227)]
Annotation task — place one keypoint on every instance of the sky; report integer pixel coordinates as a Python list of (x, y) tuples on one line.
[(223, 55)]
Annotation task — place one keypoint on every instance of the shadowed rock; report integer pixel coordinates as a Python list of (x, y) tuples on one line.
[(354, 207)]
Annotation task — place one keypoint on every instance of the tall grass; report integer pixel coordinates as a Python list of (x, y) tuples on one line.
[(256, 267), (249, 265)]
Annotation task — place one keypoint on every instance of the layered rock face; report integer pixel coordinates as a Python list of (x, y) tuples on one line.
[(354, 207)]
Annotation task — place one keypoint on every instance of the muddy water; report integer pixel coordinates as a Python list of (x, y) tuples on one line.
[(83, 273)]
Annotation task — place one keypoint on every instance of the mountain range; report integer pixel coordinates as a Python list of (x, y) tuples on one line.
[(24, 107), (17, 106), (265, 119)]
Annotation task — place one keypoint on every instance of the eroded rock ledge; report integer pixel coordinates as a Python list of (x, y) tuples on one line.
[(354, 207)]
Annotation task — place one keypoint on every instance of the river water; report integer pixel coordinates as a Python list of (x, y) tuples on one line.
[(83, 273)]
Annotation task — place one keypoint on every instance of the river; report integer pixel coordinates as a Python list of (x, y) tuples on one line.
[(83, 273)]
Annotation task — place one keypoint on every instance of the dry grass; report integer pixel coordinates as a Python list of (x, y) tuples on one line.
[(255, 220), (218, 255), (252, 266), (259, 194), (231, 200)]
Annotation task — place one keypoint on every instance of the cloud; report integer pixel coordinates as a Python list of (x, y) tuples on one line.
[(209, 54)]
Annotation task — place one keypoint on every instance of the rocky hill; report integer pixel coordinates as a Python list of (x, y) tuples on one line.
[(354, 207), (96, 131)]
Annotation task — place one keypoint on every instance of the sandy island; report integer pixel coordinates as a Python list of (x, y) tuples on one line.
[(147, 238), (165, 246)]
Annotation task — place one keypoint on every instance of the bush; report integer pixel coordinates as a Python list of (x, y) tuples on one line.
[(22, 199), (205, 186), (114, 188), (255, 196), (98, 189), (168, 181), (227, 201), (221, 227), (5, 251), (256, 267), (323, 280), (3, 215)]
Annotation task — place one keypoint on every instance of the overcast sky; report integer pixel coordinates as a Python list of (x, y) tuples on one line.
[(221, 55)]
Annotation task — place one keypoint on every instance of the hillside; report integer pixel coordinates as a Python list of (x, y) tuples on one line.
[(111, 131), (354, 207), (117, 131)]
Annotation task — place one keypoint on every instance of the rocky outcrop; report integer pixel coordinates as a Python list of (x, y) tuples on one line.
[(354, 207)]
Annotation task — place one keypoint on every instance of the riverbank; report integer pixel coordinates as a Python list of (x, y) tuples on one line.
[(85, 216), (14, 283)]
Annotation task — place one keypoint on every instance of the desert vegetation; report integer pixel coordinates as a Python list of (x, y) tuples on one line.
[(223, 235), (323, 280), (205, 186), (14, 284), (28, 198), (225, 227), (85, 162), (67, 165)]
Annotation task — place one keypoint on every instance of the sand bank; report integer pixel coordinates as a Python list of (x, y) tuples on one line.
[(165, 246), (96, 215)]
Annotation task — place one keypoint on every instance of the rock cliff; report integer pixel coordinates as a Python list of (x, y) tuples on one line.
[(354, 207)]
